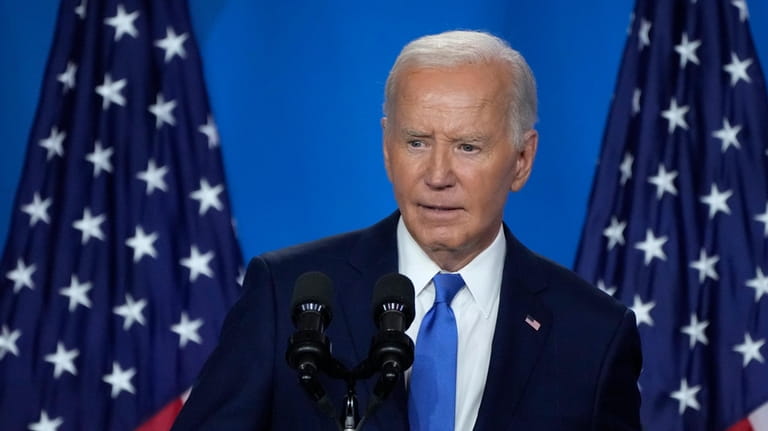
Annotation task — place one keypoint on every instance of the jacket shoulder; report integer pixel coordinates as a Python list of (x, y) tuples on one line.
[(574, 292)]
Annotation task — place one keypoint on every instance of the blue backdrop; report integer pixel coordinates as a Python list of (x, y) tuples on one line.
[(297, 88)]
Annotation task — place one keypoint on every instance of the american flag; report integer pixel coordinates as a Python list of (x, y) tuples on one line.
[(121, 259), (677, 226)]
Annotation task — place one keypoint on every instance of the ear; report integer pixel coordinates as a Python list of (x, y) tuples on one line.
[(524, 162), (384, 147)]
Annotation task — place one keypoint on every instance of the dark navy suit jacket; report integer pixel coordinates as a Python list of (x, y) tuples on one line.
[(578, 371)]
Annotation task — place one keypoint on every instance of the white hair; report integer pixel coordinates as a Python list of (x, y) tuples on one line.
[(456, 48)]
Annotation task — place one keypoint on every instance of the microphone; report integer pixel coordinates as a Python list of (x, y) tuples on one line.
[(311, 302), (393, 311), (308, 348)]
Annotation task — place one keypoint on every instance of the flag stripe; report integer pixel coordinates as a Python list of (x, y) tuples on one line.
[(163, 419), (759, 418)]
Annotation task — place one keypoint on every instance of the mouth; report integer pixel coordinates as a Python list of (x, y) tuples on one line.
[(444, 209)]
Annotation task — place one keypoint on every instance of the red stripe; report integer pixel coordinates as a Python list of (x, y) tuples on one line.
[(163, 419), (742, 425)]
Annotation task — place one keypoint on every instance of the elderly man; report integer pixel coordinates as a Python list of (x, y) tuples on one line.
[(505, 340)]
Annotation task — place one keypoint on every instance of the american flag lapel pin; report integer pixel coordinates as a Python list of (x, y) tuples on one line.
[(533, 323)]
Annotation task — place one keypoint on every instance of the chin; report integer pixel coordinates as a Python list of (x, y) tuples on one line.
[(437, 243)]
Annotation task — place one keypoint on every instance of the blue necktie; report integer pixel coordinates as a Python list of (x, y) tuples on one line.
[(432, 388)]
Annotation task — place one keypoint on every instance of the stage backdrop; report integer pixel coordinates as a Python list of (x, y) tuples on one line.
[(296, 91)]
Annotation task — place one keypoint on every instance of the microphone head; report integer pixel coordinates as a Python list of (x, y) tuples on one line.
[(315, 290), (393, 292)]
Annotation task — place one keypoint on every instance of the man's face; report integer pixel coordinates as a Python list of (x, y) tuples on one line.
[(449, 153)]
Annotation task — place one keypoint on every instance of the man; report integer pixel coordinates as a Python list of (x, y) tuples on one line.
[(530, 346)]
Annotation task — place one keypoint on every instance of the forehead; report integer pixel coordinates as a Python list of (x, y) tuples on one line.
[(467, 86)]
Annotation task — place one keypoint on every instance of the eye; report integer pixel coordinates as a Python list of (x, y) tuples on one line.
[(468, 148), (415, 143)]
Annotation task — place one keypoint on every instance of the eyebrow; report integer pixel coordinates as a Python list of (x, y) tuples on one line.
[(472, 137), (416, 133)]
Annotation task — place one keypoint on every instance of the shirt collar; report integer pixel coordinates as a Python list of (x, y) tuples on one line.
[(482, 275)]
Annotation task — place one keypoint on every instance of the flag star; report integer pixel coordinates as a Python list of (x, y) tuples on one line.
[(686, 396), (90, 226), (63, 360), (706, 266), (187, 330), (626, 168), (8, 340), (609, 290), (675, 115), (131, 311), (68, 76), (210, 131), (120, 379), (687, 50), (37, 210), (123, 23), (759, 283), (111, 92), (100, 159), (80, 9), (717, 201), (77, 293), (695, 330), (636, 95), (153, 176), (172, 44), (738, 69), (198, 263), (644, 33), (208, 196), (615, 232), (53, 143), (664, 182), (727, 135), (163, 111), (21, 276), (45, 423), (741, 5), (750, 349), (642, 311), (142, 244), (240, 276), (763, 218), (652, 246)]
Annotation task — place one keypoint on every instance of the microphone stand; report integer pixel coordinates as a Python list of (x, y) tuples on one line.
[(349, 419), (390, 354)]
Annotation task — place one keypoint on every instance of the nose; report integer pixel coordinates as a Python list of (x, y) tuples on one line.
[(439, 172)]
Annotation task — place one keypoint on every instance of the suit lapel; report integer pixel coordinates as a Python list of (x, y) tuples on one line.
[(522, 327), (374, 255)]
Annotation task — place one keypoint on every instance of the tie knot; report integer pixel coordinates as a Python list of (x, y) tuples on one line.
[(447, 286)]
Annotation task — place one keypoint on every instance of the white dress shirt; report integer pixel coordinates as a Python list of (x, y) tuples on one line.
[(475, 306)]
